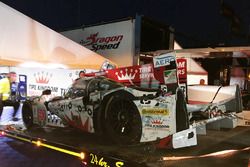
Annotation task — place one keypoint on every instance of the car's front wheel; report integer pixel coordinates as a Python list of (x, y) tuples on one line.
[(122, 120), (27, 114)]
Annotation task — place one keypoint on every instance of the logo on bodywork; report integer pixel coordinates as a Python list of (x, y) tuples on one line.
[(155, 111), (158, 122)]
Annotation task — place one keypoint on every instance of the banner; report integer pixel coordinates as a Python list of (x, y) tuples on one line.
[(182, 70), (114, 40), (38, 79)]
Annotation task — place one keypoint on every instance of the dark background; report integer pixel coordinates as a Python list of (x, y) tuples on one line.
[(197, 23)]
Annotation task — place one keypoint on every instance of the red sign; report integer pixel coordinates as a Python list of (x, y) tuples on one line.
[(182, 70), (137, 75), (140, 75)]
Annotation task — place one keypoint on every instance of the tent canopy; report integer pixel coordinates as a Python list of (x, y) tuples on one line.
[(25, 40), (217, 52)]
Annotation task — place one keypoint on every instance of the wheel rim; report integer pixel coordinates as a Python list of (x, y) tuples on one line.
[(124, 121)]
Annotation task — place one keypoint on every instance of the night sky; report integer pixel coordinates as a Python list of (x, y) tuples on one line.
[(197, 23)]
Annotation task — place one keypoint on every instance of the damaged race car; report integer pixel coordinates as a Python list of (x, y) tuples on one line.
[(132, 105)]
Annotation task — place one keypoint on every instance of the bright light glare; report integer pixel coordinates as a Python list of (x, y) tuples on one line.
[(32, 65), (84, 163), (41, 65), (82, 155), (2, 133), (56, 65), (38, 143), (215, 154)]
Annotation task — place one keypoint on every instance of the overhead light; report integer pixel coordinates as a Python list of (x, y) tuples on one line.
[(42, 65), (2, 133), (31, 64), (56, 65)]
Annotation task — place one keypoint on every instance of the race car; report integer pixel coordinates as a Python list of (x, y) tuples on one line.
[(126, 105)]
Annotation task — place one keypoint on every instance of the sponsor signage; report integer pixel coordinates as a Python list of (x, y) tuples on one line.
[(134, 74), (170, 76), (182, 70), (96, 42), (114, 41), (37, 79), (164, 60), (155, 111)]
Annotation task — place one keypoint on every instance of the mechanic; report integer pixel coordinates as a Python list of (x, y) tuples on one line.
[(5, 94), (82, 74), (202, 81)]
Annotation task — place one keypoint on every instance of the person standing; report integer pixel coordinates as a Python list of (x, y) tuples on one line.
[(82, 74), (5, 93)]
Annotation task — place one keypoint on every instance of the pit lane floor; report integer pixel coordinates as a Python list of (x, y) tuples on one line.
[(14, 153), (226, 147), (229, 148)]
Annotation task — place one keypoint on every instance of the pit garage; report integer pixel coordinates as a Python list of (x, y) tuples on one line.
[(167, 135)]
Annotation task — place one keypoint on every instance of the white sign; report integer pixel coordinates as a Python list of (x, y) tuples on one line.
[(115, 40), (164, 60), (38, 79)]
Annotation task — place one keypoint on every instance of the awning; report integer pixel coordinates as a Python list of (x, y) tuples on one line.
[(25, 40), (217, 52)]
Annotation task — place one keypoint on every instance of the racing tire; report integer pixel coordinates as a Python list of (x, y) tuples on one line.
[(122, 120), (27, 114), (182, 119)]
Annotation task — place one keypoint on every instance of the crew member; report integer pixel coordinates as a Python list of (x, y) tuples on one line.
[(82, 74), (5, 92), (202, 81)]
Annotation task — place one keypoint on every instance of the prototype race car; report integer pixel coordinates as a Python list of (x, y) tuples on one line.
[(126, 105)]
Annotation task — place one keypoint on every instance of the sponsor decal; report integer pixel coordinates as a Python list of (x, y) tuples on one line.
[(164, 60), (155, 111), (170, 76), (95, 42), (158, 122), (41, 115)]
